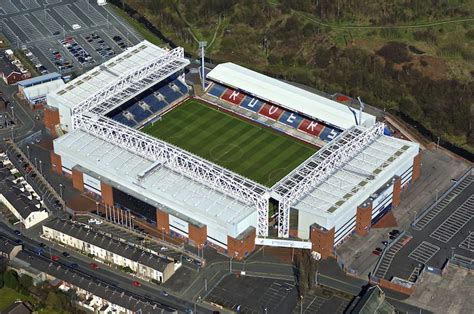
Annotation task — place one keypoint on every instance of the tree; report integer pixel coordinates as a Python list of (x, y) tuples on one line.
[(25, 283), (10, 279), (53, 301)]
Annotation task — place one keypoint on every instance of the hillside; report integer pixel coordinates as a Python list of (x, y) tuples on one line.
[(413, 57)]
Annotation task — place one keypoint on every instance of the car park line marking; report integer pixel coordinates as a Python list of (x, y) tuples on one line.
[(424, 252), (455, 222)]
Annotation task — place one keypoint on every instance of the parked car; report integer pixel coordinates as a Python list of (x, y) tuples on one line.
[(74, 265), (17, 232), (93, 266), (375, 252), (136, 283), (385, 243), (55, 258), (164, 293), (66, 254), (42, 245)]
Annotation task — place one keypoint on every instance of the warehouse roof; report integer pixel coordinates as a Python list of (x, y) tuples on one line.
[(102, 241), (287, 96), (81, 88), (171, 190)]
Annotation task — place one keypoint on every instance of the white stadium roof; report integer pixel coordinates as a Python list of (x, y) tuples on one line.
[(164, 186), (81, 88), (367, 170), (287, 96)]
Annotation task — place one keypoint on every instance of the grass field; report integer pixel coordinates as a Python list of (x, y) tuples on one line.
[(255, 152)]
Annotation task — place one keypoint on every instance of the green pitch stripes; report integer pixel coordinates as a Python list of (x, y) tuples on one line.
[(260, 154)]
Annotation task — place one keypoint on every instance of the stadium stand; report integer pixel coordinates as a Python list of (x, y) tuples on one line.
[(274, 112), (150, 103)]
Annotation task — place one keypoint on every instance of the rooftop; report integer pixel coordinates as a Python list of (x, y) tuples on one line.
[(89, 83), (114, 295), (287, 96), (171, 190), (7, 246), (356, 175), (18, 199), (120, 248), (41, 89), (40, 79)]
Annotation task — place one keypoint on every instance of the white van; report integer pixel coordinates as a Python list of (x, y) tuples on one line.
[(76, 26)]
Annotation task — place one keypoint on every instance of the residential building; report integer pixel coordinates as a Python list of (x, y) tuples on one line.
[(92, 294), (143, 263), (12, 70), (8, 248), (18, 307)]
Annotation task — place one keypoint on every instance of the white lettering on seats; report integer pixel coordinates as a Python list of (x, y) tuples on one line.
[(272, 110), (312, 125), (291, 118), (234, 95), (332, 134), (253, 102)]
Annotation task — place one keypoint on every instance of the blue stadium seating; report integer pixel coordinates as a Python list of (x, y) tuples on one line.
[(252, 103), (170, 95), (216, 90), (119, 117), (291, 119), (138, 113), (182, 88), (329, 133), (155, 104)]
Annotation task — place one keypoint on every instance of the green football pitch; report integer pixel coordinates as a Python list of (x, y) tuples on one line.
[(255, 152)]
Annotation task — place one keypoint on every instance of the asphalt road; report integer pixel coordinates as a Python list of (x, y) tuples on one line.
[(103, 273)]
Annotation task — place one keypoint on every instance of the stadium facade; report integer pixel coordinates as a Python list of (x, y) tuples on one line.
[(345, 187)]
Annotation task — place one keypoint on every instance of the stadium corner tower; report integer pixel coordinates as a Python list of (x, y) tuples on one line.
[(352, 177)]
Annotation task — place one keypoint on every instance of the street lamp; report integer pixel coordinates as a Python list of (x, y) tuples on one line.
[(61, 190)]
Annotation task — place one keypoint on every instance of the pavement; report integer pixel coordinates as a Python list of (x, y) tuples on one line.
[(40, 27), (441, 237), (437, 171)]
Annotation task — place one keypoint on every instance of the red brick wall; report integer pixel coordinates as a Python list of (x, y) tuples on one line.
[(77, 180), (107, 195), (322, 240), (162, 221), (416, 167), (51, 119), (237, 248), (56, 165), (198, 235), (390, 285), (363, 219), (397, 186)]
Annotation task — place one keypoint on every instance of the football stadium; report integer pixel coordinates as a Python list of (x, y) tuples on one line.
[(250, 160)]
